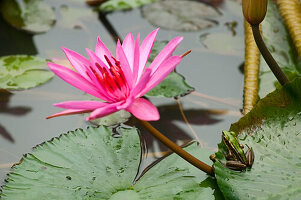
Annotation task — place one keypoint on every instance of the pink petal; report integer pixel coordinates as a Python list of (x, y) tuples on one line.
[(69, 112), (128, 46), (145, 50), (95, 59), (163, 70), (101, 50), (165, 53), (120, 55), (126, 103), (144, 110), (79, 62), (142, 83), (136, 59), (101, 112), (74, 79), (87, 105)]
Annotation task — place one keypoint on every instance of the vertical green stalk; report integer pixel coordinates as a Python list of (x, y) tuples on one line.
[(267, 56)]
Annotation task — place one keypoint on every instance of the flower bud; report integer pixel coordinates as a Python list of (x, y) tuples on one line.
[(254, 10)]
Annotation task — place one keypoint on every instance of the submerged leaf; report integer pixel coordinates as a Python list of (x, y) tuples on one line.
[(180, 15), (34, 16), (113, 5), (221, 43), (23, 72), (272, 129)]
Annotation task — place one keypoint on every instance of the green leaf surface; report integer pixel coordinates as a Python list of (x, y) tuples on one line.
[(34, 16), (273, 130), (23, 72), (114, 5), (91, 164), (174, 85), (84, 164), (181, 15), (174, 178), (280, 45)]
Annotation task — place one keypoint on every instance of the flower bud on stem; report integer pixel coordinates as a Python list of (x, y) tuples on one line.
[(254, 12), (177, 149)]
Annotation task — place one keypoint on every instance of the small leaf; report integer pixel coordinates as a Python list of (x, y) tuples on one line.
[(181, 15), (23, 72), (113, 5), (272, 129), (34, 16), (174, 85)]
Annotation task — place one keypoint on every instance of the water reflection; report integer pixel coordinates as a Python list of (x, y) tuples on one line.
[(5, 108)]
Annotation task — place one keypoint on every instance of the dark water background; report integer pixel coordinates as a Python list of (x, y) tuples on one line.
[(212, 108)]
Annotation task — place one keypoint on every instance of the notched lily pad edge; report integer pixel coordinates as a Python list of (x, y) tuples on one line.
[(58, 138)]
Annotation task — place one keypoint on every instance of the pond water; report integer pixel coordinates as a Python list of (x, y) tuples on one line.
[(212, 70)]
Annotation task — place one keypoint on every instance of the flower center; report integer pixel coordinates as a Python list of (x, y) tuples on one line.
[(112, 79)]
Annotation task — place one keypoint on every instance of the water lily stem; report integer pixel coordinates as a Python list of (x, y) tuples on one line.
[(268, 57), (177, 149)]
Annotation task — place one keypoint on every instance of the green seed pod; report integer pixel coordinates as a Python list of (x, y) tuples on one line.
[(254, 10)]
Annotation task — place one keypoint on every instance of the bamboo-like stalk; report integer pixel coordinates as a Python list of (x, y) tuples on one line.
[(251, 70), (290, 10)]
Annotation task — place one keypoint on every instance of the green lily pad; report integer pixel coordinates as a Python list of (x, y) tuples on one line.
[(174, 178), (34, 16), (113, 5), (181, 15), (92, 164), (84, 164), (280, 44), (272, 129), (174, 85), (23, 72)]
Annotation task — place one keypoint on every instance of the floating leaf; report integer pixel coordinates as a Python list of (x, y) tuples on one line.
[(30, 15), (280, 45), (222, 43), (174, 84), (23, 72), (84, 164), (175, 178), (181, 15), (272, 129), (91, 164), (113, 5)]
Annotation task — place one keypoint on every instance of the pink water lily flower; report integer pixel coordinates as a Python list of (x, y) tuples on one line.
[(119, 81)]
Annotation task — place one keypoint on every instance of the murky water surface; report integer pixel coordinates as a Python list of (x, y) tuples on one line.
[(214, 105)]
